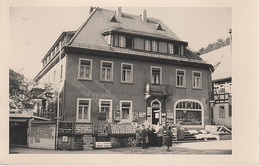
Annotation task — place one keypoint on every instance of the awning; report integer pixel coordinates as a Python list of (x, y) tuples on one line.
[(18, 120)]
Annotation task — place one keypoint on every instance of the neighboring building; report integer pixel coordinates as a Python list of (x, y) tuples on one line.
[(222, 81), (131, 68)]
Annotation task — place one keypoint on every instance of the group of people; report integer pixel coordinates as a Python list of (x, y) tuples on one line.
[(152, 135)]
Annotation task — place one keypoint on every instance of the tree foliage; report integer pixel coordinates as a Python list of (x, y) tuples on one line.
[(19, 94), (213, 46)]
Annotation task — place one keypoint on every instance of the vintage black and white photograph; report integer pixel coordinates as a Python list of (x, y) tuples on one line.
[(94, 80)]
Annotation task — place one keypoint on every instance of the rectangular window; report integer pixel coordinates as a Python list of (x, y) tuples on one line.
[(197, 79), (106, 106), (61, 70), (170, 48), (221, 111), (156, 75), (139, 43), (147, 45), (176, 50), (85, 69), (116, 40), (127, 72), (83, 110), (230, 110), (126, 110), (180, 78), (121, 41), (129, 42), (154, 45), (106, 71), (182, 50), (163, 47)]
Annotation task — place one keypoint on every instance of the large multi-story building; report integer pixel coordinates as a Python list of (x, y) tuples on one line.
[(131, 68)]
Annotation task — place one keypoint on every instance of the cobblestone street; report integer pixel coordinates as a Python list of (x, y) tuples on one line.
[(205, 147)]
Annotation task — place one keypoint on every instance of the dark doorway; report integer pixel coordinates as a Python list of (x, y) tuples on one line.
[(18, 133), (155, 116)]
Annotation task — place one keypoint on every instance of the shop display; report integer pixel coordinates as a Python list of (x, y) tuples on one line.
[(73, 143), (65, 128), (102, 128), (87, 142), (83, 128), (122, 129), (42, 131)]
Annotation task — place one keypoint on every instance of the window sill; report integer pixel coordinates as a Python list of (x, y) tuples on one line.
[(122, 82), (109, 81), (196, 88), (84, 79), (181, 87), (78, 120)]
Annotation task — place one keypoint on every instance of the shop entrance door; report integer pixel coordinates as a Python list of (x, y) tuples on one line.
[(156, 114), (156, 111)]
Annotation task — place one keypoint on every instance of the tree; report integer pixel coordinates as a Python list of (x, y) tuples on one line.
[(19, 94)]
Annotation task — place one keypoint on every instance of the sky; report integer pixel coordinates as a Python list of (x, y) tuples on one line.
[(33, 30)]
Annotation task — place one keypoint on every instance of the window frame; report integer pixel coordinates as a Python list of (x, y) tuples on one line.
[(200, 80), (170, 48), (153, 48), (184, 79), (131, 73), (89, 110), (110, 107), (130, 111), (222, 112), (151, 76), (90, 69), (111, 71), (147, 45)]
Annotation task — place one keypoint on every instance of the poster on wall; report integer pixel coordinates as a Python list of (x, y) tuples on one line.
[(83, 128), (116, 115), (135, 115), (149, 111)]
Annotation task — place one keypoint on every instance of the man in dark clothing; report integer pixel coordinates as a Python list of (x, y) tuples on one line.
[(144, 134)]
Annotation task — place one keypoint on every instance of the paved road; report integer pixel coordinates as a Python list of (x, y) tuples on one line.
[(205, 147)]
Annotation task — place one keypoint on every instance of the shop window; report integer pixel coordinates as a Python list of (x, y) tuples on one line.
[(147, 45), (106, 106), (126, 110), (83, 109), (180, 78), (196, 79), (106, 71), (85, 69), (156, 75), (189, 112), (221, 111), (127, 73)]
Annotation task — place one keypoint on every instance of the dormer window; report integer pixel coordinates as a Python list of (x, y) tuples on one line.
[(154, 46), (129, 42), (119, 41), (159, 27)]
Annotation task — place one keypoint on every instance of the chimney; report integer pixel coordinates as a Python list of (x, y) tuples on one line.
[(144, 18), (91, 9), (119, 12)]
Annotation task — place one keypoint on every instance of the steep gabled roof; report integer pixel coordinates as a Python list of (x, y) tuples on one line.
[(89, 35), (221, 60)]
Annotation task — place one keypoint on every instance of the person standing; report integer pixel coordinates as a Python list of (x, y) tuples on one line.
[(144, 136), (168, 138), (159, 133), (138, 136)]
